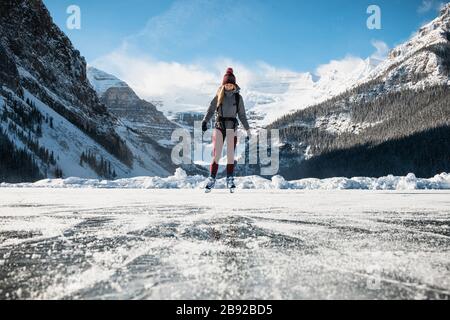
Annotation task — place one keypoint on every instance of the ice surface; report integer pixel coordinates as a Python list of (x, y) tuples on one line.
[(255, 244)]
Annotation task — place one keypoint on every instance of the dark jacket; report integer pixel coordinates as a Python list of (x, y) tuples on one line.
[(228, 109)]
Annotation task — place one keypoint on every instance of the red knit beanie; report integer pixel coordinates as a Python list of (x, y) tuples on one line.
[(229, 77)]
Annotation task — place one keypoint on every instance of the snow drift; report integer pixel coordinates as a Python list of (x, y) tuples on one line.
[(180, 180)]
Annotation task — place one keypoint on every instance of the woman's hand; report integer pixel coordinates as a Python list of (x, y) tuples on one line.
[(249, 134), (204, 126)]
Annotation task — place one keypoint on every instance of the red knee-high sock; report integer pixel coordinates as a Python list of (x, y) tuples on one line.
[(214, 168)]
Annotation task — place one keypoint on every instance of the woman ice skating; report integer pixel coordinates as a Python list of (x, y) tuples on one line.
[(226, 105)]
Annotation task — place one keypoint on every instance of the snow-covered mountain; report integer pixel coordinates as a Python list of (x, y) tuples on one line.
[(395, 120), (102, 81), (51, 120), (422, 61), (270, 93), (136, 113), (275, 94)]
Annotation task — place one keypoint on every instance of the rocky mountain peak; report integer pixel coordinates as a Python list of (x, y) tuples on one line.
[(423, 60), (43, 53), (445, 11), (124, 103), (102, 81)]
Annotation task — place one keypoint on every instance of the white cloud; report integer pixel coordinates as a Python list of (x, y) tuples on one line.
[(428, 5), (425, 6), (184, 27), (190, 86), (177, 85), (382, 50), (150, 77), (349, 64), (338, 66)]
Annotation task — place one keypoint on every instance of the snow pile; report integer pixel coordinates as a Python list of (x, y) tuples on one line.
[(180, 180), (410, 182)]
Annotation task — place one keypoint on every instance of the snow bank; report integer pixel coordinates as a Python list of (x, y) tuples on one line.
[(182, 181)]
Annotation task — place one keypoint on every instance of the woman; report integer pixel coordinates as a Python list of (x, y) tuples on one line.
[(226, 105)]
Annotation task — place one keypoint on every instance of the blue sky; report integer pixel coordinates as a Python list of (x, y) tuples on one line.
[(293, 34), (176, 51)]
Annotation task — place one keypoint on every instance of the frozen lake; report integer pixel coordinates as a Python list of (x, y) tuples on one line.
[(255, 244)]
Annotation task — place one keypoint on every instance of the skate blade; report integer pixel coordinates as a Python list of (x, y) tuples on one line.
[(208, 190)]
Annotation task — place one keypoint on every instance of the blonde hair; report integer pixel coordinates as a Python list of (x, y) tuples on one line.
[(221, 95)]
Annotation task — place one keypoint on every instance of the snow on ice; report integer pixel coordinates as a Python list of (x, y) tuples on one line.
[(180, 180), (256, 244)]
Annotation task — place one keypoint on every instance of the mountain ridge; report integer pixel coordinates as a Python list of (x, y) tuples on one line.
[(50, 112), (124, 103), (407, 95)]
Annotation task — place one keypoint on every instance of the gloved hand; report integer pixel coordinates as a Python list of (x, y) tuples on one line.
[(249, 134), (204, 126)]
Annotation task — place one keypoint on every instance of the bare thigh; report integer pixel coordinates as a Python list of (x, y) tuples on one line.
[(231, 145), (218, 145)]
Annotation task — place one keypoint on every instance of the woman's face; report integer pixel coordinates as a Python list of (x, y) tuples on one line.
[(229, 87)]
